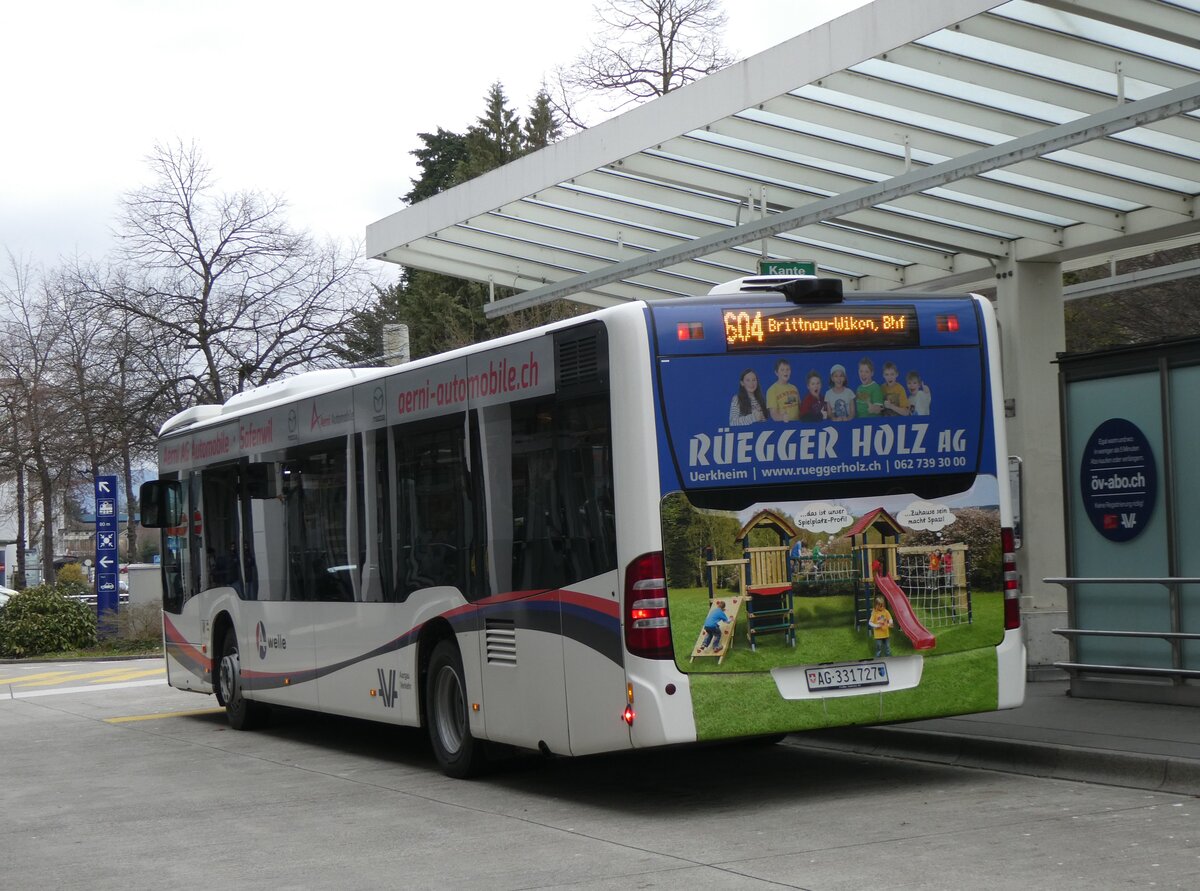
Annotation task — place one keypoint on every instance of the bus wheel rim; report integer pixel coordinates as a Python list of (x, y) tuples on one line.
[(451, 714), (228, 677)]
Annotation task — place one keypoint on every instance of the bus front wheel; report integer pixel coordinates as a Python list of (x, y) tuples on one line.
[(458, 753), (241, 712)]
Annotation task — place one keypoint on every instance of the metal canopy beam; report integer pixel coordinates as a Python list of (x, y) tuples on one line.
[(1122, 117)]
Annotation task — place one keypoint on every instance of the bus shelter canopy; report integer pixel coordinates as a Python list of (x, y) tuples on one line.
[(905, 145)]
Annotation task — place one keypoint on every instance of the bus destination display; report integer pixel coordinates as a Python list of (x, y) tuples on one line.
[(820, 327)]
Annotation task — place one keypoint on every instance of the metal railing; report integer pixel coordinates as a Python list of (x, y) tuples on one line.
[(1174, 637)]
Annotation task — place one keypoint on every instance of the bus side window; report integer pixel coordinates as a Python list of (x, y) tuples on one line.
[(195, 576), (434, 532), (314, 493), (175, 561), (374, 516), (222, 534), (562, 525)]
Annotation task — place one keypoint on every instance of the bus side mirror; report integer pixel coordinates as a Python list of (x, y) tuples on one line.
[(161, 504)]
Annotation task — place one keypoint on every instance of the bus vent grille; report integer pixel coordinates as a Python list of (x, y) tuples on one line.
[(500, 635), (578, 361)]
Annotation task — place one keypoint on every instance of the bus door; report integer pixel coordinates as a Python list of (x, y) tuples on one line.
[(551, 645), (276, 629), (188, 666)]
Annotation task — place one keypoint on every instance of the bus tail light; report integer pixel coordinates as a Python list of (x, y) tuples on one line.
[(1012, 582), (947, 324), (647, 622)]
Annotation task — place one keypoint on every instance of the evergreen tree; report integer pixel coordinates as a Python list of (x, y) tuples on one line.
[(494, 140), (443, 312), (542, 126), (439, 161)]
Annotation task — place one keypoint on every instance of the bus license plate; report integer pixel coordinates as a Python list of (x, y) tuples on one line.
[(845, 677)]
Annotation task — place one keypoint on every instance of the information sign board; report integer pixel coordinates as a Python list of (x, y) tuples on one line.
[(1118, 479), (108, 565)]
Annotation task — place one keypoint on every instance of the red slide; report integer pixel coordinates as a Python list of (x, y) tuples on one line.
[(903, 612)]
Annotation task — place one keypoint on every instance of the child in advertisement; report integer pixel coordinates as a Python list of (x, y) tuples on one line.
[(812, 407), (895, 400), (839, 399), (868, 398), (783, 399), (919, 395), (746, 407), (880, 624), (712, 626)]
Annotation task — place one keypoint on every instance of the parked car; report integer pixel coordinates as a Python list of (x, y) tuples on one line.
[(5, 594)]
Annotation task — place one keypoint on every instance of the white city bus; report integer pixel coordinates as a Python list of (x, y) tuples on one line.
[(523, 541)]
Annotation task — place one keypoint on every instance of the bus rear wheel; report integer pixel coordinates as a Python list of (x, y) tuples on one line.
[(458, 753), (242, 713)]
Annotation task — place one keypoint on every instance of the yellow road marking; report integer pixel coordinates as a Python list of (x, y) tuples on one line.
[(107, 674), (155, 717), (22, 678), (131, 675)]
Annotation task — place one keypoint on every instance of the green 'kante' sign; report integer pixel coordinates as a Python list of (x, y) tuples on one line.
[(787, 267)]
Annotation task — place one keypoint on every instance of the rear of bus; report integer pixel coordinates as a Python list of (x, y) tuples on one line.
[(836, 541)]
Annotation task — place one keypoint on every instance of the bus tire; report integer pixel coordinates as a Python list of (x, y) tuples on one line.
[(458, 753), (242, 713)]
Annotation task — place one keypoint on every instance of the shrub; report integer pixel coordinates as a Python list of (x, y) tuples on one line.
[(72, 580), (42, 620), (134, 622)]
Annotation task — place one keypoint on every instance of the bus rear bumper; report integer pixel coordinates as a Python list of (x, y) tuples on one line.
[(1010, 658)]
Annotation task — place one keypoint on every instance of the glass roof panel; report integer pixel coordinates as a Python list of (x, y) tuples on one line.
[(951, 194), (1126, 171), (1101, 32), (1026, 106), (796, 158), (904, 116), (1058, 190), (1003, 55), (1043, 186), (600, 218)]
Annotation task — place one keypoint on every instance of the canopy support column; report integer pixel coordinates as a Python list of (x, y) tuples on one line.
[(1030, 309)]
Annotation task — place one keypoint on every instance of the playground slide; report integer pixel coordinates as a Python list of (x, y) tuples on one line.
[(902, 611)]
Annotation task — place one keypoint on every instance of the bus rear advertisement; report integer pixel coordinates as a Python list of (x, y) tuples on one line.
[(829, 478), (768, 509)]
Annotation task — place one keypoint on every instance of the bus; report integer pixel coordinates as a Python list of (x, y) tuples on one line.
[(772, 508)]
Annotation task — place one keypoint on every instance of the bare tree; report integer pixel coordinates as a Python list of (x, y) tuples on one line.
[(108, 388), (643, 49), (223, 282), (29, 338)]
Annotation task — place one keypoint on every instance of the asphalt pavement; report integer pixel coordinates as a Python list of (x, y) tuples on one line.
[(1132, 744)]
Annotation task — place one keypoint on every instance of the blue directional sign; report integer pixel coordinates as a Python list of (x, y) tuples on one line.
[(108, 566)]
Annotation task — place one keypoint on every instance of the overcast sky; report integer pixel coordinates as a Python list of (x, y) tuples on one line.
[(317, 102)]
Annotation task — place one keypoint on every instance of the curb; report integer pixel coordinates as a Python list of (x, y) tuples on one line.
[(1156, 773)]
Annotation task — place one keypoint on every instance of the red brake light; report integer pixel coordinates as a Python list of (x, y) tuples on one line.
[(1012, 582), (647, 621), (689, 331), (947, 323)]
